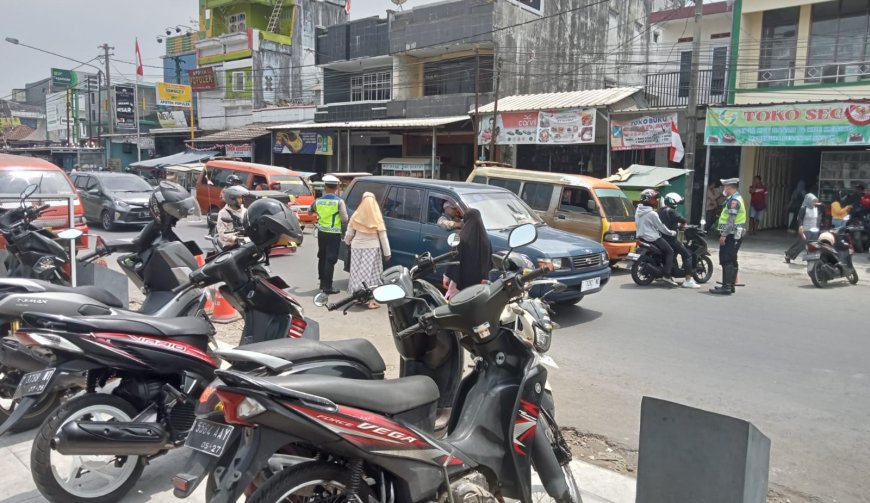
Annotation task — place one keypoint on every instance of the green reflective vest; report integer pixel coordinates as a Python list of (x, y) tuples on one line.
[(741, 211), (328, 215)]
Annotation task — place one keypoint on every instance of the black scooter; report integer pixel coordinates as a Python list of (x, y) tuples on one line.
[(828, 261), (374, 441), (649, 260)]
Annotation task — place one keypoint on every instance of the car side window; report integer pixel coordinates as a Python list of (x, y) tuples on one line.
[(92, 183), (575, 199), (81, 181), (435, 208), (355, 195), (538, 195), (259, 183), (479, 179), (404, 203), (511, 185)]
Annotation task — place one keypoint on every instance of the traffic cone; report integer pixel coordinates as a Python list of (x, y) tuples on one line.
[(223, 311), (208, 307)]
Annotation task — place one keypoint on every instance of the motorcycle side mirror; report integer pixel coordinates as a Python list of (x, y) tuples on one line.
[(101, 248), (388, 293), (69, 234), (522, 235), (29, 191), (321, 299), (453, 240)]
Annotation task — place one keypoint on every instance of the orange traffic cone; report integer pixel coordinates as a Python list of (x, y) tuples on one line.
[(208, 307), (223, 310)]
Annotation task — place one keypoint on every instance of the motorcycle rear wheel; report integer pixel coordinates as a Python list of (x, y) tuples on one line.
[(307, 480), (703, 270), (640, 272), (9, 378), (853, 277), (818, 277)]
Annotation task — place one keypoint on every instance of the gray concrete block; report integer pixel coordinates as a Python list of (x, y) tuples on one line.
[(113, 281), (688, 454)]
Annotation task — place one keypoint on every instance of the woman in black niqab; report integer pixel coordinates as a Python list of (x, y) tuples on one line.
[(475, 253)]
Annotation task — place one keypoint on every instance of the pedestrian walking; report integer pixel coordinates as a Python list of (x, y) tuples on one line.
[(757, 203), (369, 247), (795, 202), (809, 225), (331, 214), (475, 255), (732, 226), (840, 208)]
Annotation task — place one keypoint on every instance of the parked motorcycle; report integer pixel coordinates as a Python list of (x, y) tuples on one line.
[(649, 260), (830, 257), (373, 440)]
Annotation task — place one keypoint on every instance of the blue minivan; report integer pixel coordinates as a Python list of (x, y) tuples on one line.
[(411, 207)]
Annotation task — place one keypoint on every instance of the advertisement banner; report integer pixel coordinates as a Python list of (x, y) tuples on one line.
[(800, 125), (531, 5), (172, 119), (125, 113), (540, 128), (238, 150), (651, 131), (304, 142), (173, 95), (202, 79)]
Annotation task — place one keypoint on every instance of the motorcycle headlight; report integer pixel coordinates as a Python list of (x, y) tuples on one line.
[(43, 264), (543, 338), (553, 263)]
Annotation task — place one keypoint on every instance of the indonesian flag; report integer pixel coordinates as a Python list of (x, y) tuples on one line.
[(347, 7), (140, 70), (676, 144)]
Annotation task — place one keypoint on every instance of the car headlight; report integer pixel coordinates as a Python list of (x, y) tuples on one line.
[(604, 257), (543, 338), (43, 264), (294, 208), (121, 205), (553, 263), (611, 237)]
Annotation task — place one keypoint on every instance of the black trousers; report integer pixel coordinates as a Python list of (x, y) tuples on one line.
[(663, 245), (680, 249), (328, 244), (800, 245), (728, 251)]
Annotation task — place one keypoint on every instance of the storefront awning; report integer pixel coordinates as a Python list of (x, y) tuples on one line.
[(638, 175), (424, 123), (180, 158), (559, 101), (242, 134)]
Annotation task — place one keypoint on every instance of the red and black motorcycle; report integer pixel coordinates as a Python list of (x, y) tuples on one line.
[(374, 440)]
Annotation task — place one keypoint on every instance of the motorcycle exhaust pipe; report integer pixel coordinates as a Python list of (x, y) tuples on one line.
[(91, 438), (15, 355)]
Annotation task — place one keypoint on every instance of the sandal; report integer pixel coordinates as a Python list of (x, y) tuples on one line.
[(374, 305)]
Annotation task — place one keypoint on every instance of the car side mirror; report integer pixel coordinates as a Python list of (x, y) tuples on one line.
[(95, 191), (592, 206)]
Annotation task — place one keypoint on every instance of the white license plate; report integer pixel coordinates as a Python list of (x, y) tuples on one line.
[(209, 437), (590, 284), (34, 383), (813, 256), (633, 256)]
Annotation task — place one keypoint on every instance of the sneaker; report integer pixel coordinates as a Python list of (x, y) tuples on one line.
[(690, 283)]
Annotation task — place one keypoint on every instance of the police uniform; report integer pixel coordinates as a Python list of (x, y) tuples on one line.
[(330, 215), (732, 226)]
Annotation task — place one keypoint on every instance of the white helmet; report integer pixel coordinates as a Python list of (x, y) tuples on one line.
[(828, 238), (331, 180), (673, 199)]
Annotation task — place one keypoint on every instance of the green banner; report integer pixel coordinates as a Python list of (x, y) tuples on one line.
[(799, 125)]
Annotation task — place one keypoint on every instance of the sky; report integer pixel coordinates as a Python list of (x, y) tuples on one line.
[(74, 28)]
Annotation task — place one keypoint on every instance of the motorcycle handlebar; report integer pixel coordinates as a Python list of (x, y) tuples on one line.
[(445, 257), (535, 274), (88, 256), (409, 331), (357, 296)]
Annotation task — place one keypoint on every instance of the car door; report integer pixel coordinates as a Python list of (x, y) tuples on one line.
[(431, 234), (578, 213), (402, 209), (84, 184)]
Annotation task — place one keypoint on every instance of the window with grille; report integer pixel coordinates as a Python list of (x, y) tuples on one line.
[(238, 82), (237, 22), (376, 86)]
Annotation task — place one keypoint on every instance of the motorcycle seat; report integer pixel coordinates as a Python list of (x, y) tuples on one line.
[(301, 350), (650, 246), (98, 294), (390, 397), (129, 323)]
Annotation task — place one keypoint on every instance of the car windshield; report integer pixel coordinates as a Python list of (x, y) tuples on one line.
[(292, 185), (615, 203), (130, 183), (13, 182), (501, 210)]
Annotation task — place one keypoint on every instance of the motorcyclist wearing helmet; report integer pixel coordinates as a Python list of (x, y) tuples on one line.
[(231, 215), (674, 221), (651, 229), (331, 214), (269, 222)]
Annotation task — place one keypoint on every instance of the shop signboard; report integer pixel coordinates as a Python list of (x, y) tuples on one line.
[(172, 119), (796, 125), (563, 127), (304, 142), (649, 131), (535, 6), (125, 113), (174, 95), (202, 79), (238, 149)]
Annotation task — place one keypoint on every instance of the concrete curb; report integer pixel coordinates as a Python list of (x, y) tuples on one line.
[(597, 485)]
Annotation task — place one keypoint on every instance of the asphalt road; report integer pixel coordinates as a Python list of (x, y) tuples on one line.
[(791, 359)]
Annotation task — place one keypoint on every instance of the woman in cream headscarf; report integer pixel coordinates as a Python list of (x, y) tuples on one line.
[(369, 247)]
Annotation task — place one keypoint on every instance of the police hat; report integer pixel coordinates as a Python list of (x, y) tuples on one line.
[(730, 181), (331, 181)]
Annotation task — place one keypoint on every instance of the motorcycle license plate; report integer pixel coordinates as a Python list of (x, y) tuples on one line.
[(590, 284), (34, 383), (209, 437), (813, 256), (633, 256)]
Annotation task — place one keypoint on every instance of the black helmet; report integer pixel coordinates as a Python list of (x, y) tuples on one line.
[(170, 202), (649, 197), (232, 194), (233, 180), (269, 221)]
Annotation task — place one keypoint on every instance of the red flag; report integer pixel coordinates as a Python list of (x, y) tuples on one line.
[(140, 70), (676, 144), (347, 7)]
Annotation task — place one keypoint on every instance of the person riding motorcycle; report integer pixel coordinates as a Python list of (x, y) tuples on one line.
[(231, 215), (651, 229), (674, 221)]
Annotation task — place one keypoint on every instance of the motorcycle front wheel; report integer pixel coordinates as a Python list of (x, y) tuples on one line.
[(640, 271), (703, 270), (853, 277), (308, 481)]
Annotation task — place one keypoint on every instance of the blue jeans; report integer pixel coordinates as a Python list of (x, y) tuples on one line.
[(837, 223)]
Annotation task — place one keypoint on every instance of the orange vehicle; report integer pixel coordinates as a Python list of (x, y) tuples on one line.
[(17, 172), (255, 177)]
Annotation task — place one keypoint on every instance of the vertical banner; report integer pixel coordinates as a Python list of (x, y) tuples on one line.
[(125, 113)]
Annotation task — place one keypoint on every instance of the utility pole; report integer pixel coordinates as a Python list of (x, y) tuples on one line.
[(474, 125), (110, 109), (495, 112), (68, 106), (692, 112)]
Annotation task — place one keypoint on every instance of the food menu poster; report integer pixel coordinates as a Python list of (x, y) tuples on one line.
[(304, 142), (798, 125), (562, 127)]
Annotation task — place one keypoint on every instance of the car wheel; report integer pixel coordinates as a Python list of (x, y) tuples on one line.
[(107, 220)]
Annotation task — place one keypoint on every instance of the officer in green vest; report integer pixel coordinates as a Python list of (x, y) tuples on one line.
[(331, 214), (732, 226)]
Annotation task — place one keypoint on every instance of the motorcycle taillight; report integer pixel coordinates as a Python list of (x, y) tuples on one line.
[(297, 328), (25, 338), (813, 247)]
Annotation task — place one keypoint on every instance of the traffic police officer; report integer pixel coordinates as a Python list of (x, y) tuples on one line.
[(331, 214), (732, 225)]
